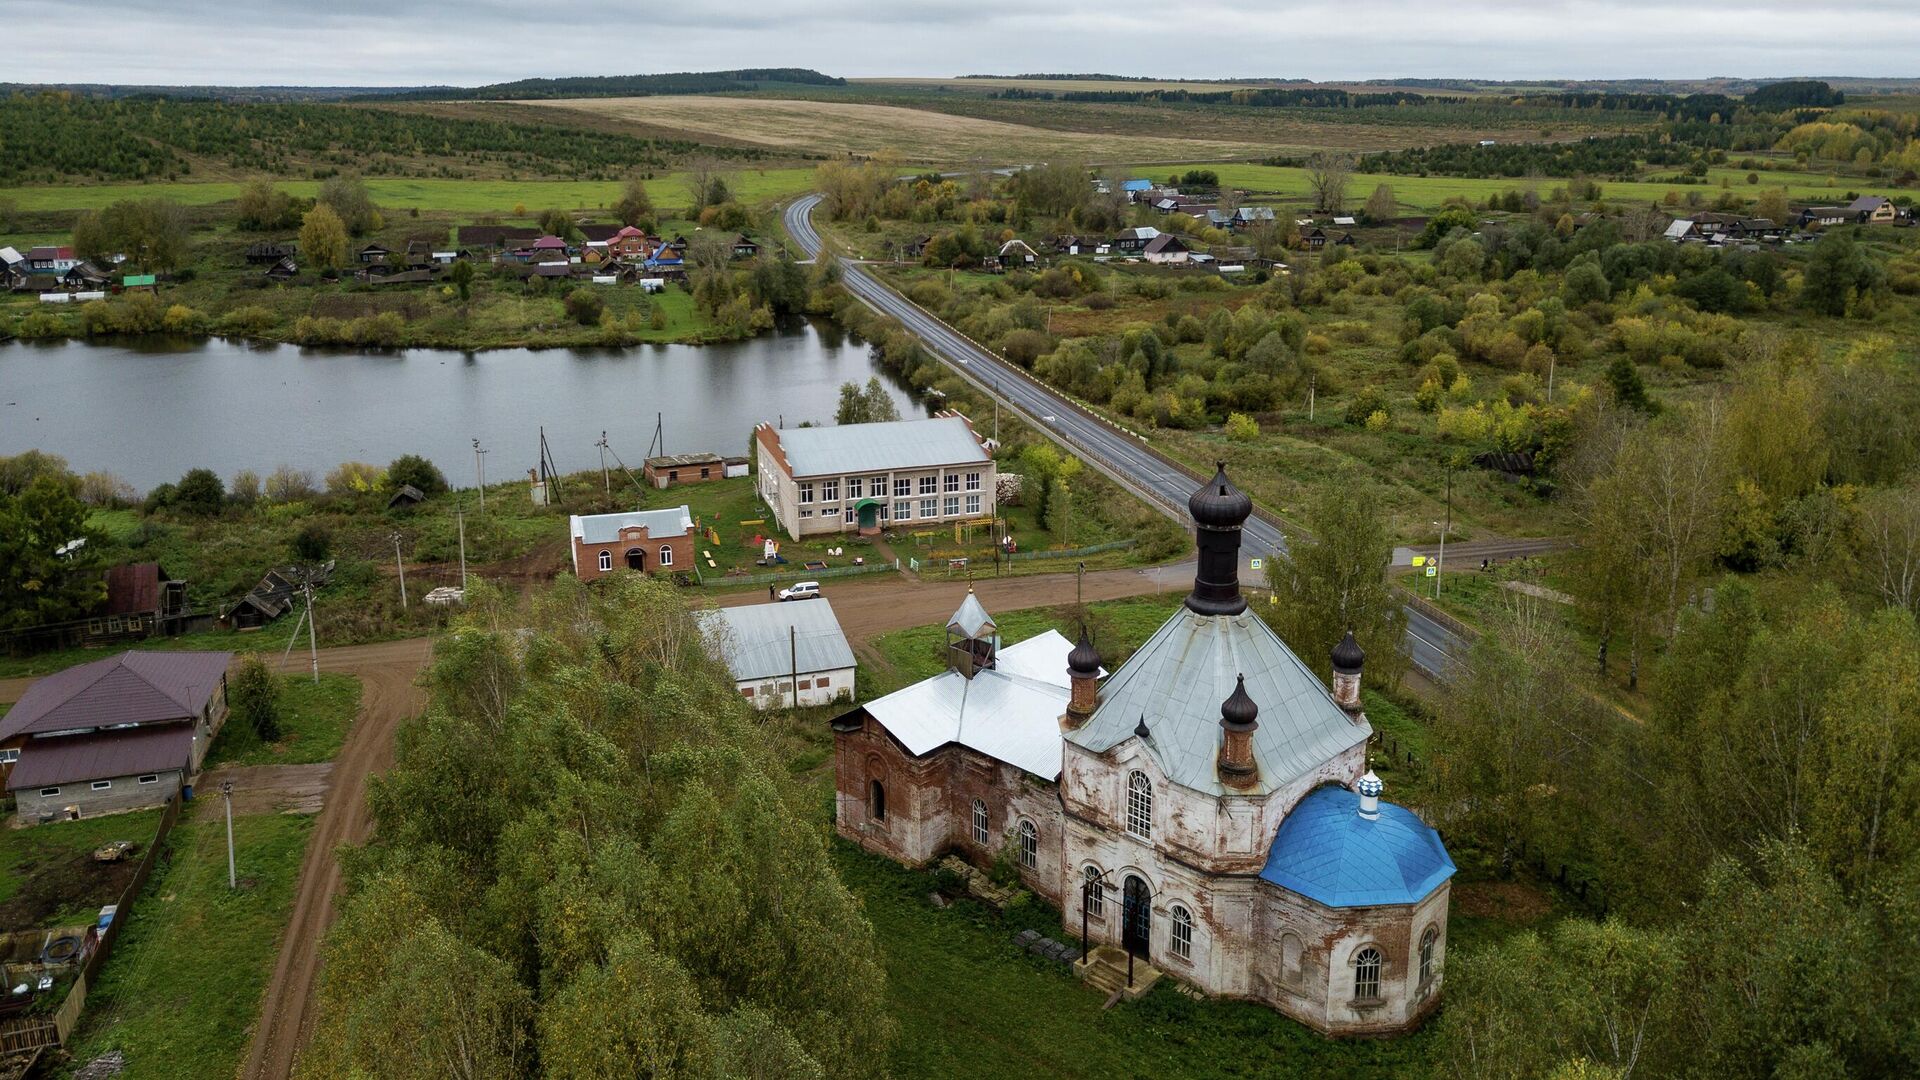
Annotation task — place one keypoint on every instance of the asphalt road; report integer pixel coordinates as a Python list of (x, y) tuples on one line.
[(1123, 457)]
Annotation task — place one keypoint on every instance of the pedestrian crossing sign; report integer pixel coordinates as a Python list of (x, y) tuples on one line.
[(1433, 570)]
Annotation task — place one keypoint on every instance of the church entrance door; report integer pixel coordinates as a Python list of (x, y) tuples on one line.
[(1136, 917)]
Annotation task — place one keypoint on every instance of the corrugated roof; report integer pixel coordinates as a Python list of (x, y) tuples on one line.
[(1327, 852), (605, 528), (132, 688), (754, 640), (64, 759), (898, 444), (971, 619), (132, 588), (1178, 680), (1006, 715)]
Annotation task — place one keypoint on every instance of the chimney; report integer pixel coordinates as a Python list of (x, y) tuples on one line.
[(1369, 787), (1218, 509), (1239, 717), (1347, 660), (1083, 677)]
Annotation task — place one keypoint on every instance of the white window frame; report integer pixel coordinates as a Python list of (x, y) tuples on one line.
[(49, 792), (1139, 805), (903, 511), (973, 504), (9, 756), (150, 778), (829, 491), (1366, 974), (1180, 932), (1029, 845), (101, 785), (950, 482), (806, 491), (1429, 947), (854, 487), (929, 485), (930, 508), (973, 481), (666, 555), (902, 487), (877, 486), (848, 516), (1094, 899), (950, 506), (606, 561), (982, 831), (806, 513)]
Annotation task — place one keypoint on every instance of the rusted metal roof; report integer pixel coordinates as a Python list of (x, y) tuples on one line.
[(134, 588)]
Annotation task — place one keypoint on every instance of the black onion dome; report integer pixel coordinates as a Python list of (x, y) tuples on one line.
[(1239, 711), (1084, 659), (1218, 504), (1140, 729), (1347, 656)]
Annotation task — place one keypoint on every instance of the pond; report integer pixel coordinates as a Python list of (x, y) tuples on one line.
[(149, 411)]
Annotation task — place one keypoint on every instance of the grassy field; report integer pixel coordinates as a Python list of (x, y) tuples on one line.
[(47, 874), (314, 720), (1425, 194), (182, 989), (498, 197)]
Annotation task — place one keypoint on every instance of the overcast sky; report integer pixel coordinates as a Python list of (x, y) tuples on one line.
[(404, 42)]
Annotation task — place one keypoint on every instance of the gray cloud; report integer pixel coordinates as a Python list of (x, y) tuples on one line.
[(399, 42)]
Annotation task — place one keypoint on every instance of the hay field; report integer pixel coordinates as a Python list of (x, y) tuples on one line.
[(839, 127), (1056, 85)]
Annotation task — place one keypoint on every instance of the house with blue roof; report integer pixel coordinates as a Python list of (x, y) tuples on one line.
[(1205, 812)]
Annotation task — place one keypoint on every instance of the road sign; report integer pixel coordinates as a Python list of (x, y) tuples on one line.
[(1433, 570), (1256, 563), (1419, 560)]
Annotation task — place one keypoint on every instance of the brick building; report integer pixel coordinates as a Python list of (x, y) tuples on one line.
[(1207, 808), (868, 477), (651, 541)]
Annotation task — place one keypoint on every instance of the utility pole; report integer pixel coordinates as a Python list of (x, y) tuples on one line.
[(313, 644), (1311, 378), (460, 522), (1440, 568), (226, 791), (480, 473), (793, 659), (401, 564), (1550, 363), (606, 478)]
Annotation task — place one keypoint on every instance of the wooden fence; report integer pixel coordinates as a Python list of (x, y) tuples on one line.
[(30, 1032)]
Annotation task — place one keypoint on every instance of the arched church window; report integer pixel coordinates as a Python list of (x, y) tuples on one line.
[(1029, 845), (1094, 893), (1181, 936), (1290, 958), (877, 801), (1428, 942), (1366, 974), (980, 834), (1140, 805)]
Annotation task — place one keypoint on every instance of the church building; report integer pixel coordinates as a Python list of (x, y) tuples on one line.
[(1207, 808)]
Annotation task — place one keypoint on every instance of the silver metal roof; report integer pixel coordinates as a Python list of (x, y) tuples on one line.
[(970, 619), (660, 524), (1010, 712), (897, 444), (1181, 675), (754, 642)]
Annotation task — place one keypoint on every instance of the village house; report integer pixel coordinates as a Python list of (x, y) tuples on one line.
[(373, 253), (1207, 810), (143, 599), (1823, 216), (867, 477), (1874, 210), (1133, 241), (1015, 252), (268, 252), (486, 241), (782, 653), (1250, 215), (1136, 188), (47, 259), (744, 247), (1166, 249), (117, 734), (628, 243), (650, 541), (670, 469)]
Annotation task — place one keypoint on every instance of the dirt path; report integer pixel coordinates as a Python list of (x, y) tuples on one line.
[(387, 674), (266, 789)]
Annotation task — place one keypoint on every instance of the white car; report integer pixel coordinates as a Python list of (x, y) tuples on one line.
[(801, 590)]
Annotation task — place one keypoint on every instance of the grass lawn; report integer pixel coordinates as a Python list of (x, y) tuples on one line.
[(971, 1004), (182, 988), (400, 193), (314, 720), (1119, 627), (48, 876)]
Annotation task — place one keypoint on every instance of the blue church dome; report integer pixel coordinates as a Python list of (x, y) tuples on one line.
[(1327, 852)]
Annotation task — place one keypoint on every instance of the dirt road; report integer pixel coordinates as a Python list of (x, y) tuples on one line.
[(387, 674)]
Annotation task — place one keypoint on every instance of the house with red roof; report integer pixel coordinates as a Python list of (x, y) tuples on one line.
[(123, 733)]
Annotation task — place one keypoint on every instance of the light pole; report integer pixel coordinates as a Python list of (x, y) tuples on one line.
[(399, 563), (1440, 567), (226, 792), (480, 473)]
